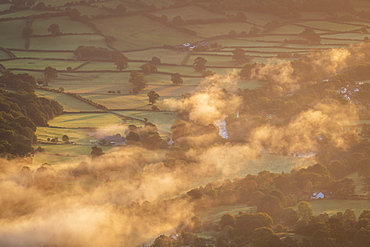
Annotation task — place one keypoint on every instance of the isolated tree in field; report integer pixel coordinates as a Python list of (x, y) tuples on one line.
[(65, 138), (153, 96), (239, 55), (176, 79), (138, 80), (96, 151), (199, 64), (311, 36), (156, 60), (50, 73), (121, 63), (54, 29)]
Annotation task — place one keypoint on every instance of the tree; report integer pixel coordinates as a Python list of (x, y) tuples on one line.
[(178, 20), (138, 80), (50, 73), (199, 64), (148, 68), (364, 166), (153, 96), (162, 241), (65, 138), (289, 216), (121, 63), (264, 237), (271, 205), (239, 55), (240, 16), (304, 210), (311, 36), (27, 32), (156, 60), (227, 220), (176, 79), (96, 151), (54, 29)]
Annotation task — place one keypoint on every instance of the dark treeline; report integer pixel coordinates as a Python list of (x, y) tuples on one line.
[(21, 112)]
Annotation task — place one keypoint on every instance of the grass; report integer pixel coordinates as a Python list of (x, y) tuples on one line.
[(80, 120), (25, 13), (288, 29), (339, 42), (66, 42), (4, 6), (163, 120), (332, 206), (255, 18), (4, 55), (215, 29), (165, 55), (331, 26), (359, 36), (178, 69), (40, 26), (188, 13), (226, 42), (136, 32), (226, 61), (11, 34), (91, 11), (68, 102), (39, 64), (215, 214), (120, 101), (35, 54), (75, 135)]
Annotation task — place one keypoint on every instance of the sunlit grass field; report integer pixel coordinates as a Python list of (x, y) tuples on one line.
[(215, 29), (188, 13), (66, 42), (39, 64), (81, 120), (11, 34), (40, 26), (165, 55), (330, 26), (136, 32), (68, 102), (36, 54)]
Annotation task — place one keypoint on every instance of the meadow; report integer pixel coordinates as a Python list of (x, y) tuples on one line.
[(69, 103), (37, 64), (40, 26), (188, 13), (11, 34), (66, 42), (137, 32), (85, 120)]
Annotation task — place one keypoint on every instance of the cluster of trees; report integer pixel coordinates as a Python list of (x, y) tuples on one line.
[(20, 113), (89, 52), (146, 136)]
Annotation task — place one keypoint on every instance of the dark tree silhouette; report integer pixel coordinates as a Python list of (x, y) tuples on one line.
[(176, 79), (153, 96)]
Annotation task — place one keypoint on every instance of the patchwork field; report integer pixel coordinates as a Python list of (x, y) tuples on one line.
[(39, 64), (88, 120), (165, 55), (137, 32), (11, 34), (41, 25), (66, 42), (213, 29), (188, 13), (330, 26), (36, 54), (68, 102)]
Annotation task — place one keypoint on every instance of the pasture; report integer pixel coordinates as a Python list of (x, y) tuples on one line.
[(137, 32), (39, 64), (85, 120), (188, 13), (79, 136), (91, 11), (68, 102), (165, 55), (66, 42), (11, 34), (4, 6), (216, 29), (24, 13), (332, 206), (163, 120), (38, 55), (329, 26), (40, 26), (4, 55)]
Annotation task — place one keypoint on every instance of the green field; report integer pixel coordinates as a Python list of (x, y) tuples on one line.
[(11, 34), (75, 135), (4, 55), (288, 29), (332, 206), (330, 26), (215, 29), (188, 13), (40, 26), (254, 17), (4, 6), (39, 64), (81, 120), (120, 101), (68, 102), (163, 120), (25, 13), (66, 42), (215, 214), (35, 54), (165, 55), (136, 32), (359, 36), (91, 11)]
